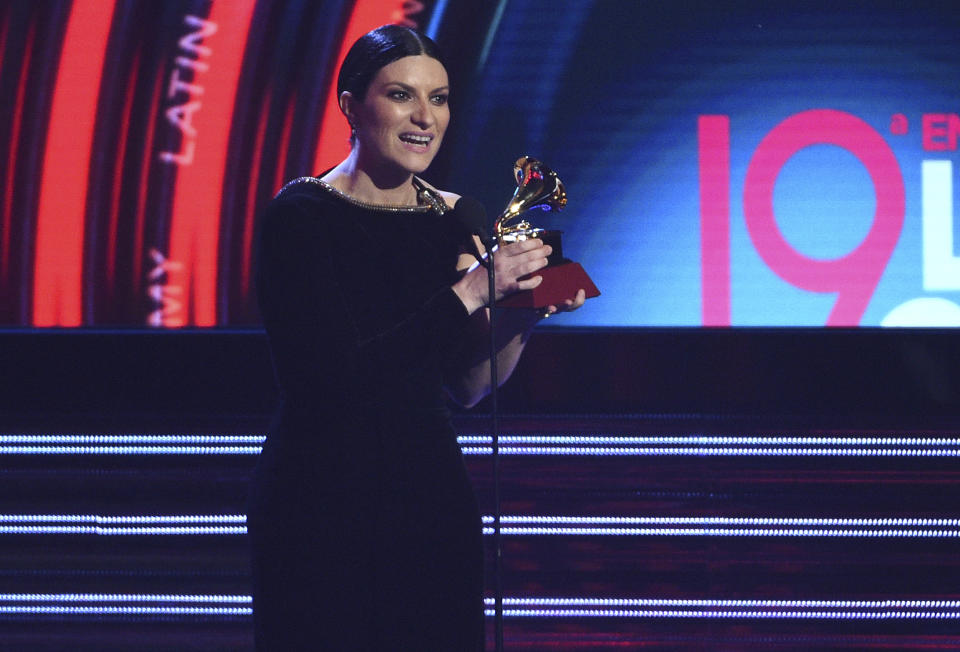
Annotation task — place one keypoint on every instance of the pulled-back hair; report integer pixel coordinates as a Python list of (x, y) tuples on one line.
[(376, 49)]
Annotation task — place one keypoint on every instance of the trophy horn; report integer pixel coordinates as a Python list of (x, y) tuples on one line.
[(537, 187)]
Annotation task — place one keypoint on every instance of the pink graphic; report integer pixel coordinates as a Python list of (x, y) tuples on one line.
[(899, 124), (940, 131), (714, 144), (853, 277)]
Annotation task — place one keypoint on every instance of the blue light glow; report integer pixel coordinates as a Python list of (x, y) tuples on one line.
[(720, 520), (667, 602), (130, 450), (767, 615), (124, 597), (576, 445), (126, 611), (725, 532), (864, 528), (709, 452), (776, 440), (94, 524), (125, 531), (126, 604), (518, 525), (165, 440), (95, 518)]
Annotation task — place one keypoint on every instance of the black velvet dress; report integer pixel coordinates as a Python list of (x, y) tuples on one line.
[(364, 527)]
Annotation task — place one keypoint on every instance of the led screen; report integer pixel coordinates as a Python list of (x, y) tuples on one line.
[(727, 164), (746, 164)]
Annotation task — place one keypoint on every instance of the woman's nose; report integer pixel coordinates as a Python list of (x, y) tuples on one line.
[(422, 115)]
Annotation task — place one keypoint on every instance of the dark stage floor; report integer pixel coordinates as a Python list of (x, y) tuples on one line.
[(122, 523)]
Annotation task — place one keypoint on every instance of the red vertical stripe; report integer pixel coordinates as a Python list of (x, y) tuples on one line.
[(142, 185), (277, 181), (6, 223), (281, 169), (118, 172), (714, 152), (334, 132), (58, 262), (248, 213), (195, 228), (4, 29)]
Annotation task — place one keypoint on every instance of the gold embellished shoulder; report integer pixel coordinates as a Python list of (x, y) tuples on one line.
[(429, 199)]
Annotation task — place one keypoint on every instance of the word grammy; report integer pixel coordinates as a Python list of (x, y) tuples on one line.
[(168, 306)]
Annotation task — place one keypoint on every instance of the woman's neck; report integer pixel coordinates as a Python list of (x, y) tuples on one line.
[(354, 179)]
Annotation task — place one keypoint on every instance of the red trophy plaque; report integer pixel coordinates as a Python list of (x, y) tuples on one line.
[(539, 187)]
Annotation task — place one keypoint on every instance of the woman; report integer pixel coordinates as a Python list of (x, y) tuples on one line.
[(365, 530)]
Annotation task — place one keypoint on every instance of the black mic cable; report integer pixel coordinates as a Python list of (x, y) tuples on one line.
[(471, 215)]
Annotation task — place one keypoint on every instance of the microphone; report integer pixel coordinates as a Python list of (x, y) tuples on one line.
[(471, 216)]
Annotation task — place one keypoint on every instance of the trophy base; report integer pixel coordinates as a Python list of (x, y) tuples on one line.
[(560, 282)]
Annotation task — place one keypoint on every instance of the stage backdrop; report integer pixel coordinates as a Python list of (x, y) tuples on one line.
[(727, 164)]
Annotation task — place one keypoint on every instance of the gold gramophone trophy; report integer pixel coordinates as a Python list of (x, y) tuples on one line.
[(539, 187)]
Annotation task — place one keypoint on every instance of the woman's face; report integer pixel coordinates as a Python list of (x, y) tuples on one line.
[(402, 119)]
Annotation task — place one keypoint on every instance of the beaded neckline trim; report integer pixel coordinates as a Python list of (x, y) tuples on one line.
[(430, 199)]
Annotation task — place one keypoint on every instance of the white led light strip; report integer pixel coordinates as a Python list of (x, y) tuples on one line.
[(135, 531), (567, 440), (96, 518), (659, 451), (724, 532), (575, 445), (513, 525), (728, 609), (130, 450), (95, 524), (126, 611), (774, 440), (868, 528), (669, 602), (721, 520), (709, 445), (74, 444), (125, 597), (125, 604), (768, 615), (164, 440)]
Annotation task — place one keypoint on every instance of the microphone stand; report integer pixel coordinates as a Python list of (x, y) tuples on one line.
[(495, 440)]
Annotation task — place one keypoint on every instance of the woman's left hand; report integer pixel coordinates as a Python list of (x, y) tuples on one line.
[(567, 306)]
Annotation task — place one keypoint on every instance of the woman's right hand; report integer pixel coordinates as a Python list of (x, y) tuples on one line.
[(511, 262)]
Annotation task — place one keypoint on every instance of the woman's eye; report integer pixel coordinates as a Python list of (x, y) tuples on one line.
[(439, 100), (398, 95)]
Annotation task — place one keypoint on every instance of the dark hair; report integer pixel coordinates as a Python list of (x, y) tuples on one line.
[(376, 49)]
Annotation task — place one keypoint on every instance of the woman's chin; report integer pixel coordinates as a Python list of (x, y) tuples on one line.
[(418, 165), (400, 164), (416, 159)]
